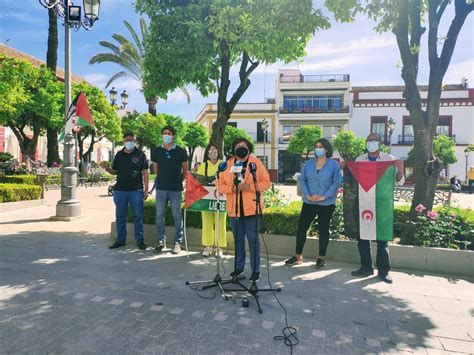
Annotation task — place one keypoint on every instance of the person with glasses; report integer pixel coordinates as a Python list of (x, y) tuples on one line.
[(170, 164), (373, 145), (212, 159), (131, 167)]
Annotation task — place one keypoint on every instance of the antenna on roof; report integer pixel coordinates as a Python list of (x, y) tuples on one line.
[(464, 82), (6, 41)]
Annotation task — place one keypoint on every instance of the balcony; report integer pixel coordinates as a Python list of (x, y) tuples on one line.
[(341, 109), (409, 139), (338, 78)]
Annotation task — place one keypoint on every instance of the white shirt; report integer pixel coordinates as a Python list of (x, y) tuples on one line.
[(384, 157)]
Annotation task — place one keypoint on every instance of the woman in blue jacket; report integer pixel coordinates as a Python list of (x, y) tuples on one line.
[(319, 180)]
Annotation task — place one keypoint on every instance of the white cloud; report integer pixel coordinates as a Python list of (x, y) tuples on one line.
[(316, 48)]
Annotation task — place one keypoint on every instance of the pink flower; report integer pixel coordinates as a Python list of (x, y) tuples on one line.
[(432, 214), (420, 208)]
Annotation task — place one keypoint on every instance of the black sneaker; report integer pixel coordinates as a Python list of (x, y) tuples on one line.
[(117, 244), (386, 278), (254, 277), (320, 263), (362, 272), (293, 261), (141, 245), (159, 247), (238, 273)]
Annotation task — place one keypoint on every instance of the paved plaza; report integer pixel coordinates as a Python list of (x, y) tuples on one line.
[(63, 291)]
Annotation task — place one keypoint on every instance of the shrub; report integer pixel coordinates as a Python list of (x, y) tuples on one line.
[(19, 192), (282, 219), (274, 198), (5, 157), (18, 179)]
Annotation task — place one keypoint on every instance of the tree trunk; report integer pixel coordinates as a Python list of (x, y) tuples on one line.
[(152, 101), (51, 63), (191, 155)]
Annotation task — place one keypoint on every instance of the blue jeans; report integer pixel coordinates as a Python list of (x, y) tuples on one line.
[(122, 199), (246, 227), (382, 260), (162, 198)]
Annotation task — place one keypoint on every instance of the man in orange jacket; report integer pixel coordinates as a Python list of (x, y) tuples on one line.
[(243, 220)]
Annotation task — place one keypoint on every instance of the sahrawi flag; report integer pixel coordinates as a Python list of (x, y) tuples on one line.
[(373, 198), (78, 115), (199, 196)]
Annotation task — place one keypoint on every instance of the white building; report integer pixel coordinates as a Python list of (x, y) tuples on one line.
[(330, 102), (373, 106)]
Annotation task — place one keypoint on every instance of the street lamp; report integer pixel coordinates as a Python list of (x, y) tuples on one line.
[(124, 98), (466, 154), (264, 128), (69, 206), (113, 96), (391, 127)]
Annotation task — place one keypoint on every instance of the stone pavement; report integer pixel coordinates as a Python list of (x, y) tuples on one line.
[(63, 291)]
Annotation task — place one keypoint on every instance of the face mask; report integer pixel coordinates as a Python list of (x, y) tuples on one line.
[(130, 145), (167, 139), (213, 155), (319, 152), (372, 146), (241, 152)]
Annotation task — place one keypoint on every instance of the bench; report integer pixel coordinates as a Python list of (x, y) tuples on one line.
[(403, 194)]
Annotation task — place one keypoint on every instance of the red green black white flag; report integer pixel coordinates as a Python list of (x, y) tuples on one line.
[(373, 205), (78, 114)]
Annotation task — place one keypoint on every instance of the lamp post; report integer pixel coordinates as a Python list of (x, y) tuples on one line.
[(113, 101), (264, 128), (391, 127), (466, 154), (69, 206)]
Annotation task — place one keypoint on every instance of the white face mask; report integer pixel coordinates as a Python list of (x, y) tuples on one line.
[(130, 145), (372, 146)]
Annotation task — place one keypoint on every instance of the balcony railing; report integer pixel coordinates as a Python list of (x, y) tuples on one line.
[(339, 78), (341, 109), (409, 139)]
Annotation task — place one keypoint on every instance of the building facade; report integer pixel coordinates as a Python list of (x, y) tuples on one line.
[(329, 101)]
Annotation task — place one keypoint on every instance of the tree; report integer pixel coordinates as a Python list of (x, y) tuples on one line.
[(348, 145), (146, 127), (197, 42), (195, 136), (302, 142), (51, 63), (443, 149), (406, 20), (30, 102), (230, 135), (107, 122), (130, 56)]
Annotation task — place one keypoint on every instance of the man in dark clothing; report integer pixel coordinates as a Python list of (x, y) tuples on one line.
[(170, 163), (455, 184), (131, 167)]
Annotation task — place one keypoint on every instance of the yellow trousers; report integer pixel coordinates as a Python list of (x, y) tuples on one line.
[(209, 229)]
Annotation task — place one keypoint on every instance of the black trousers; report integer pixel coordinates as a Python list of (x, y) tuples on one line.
[(382, 259), (307, 215)]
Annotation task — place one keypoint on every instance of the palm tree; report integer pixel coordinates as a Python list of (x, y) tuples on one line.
[(130, 56)]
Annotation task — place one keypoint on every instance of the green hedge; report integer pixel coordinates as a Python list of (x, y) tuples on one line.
[(18, 179), (447, 187), (19, 192)]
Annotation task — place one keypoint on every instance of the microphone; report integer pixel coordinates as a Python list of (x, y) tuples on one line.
[(253, 171), (237, 168), (222, 167)]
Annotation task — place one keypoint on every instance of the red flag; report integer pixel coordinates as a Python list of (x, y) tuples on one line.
[(194, 191), (83, 112), (368, 173)]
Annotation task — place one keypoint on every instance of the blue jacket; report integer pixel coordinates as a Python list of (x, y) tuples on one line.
[(325, 183)]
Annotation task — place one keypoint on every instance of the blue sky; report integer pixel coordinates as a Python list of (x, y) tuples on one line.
[(356, 49)]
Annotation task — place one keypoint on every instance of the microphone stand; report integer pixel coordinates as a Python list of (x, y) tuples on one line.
[(217, 281), (253, 289)]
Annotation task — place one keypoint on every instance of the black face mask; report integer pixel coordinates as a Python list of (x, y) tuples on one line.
[(241, 152)]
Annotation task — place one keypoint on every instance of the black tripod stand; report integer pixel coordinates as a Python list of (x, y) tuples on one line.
[(253, 289), (217, 281)]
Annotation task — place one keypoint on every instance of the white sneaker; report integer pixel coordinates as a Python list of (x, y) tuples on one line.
[(176, 249), (219, 253), (207, 251)]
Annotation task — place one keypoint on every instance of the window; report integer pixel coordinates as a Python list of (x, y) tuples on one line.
[(288, 132), (261, 133), (444, 126), (313, 103), (330, 131), (233, 124), (379, 125)]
